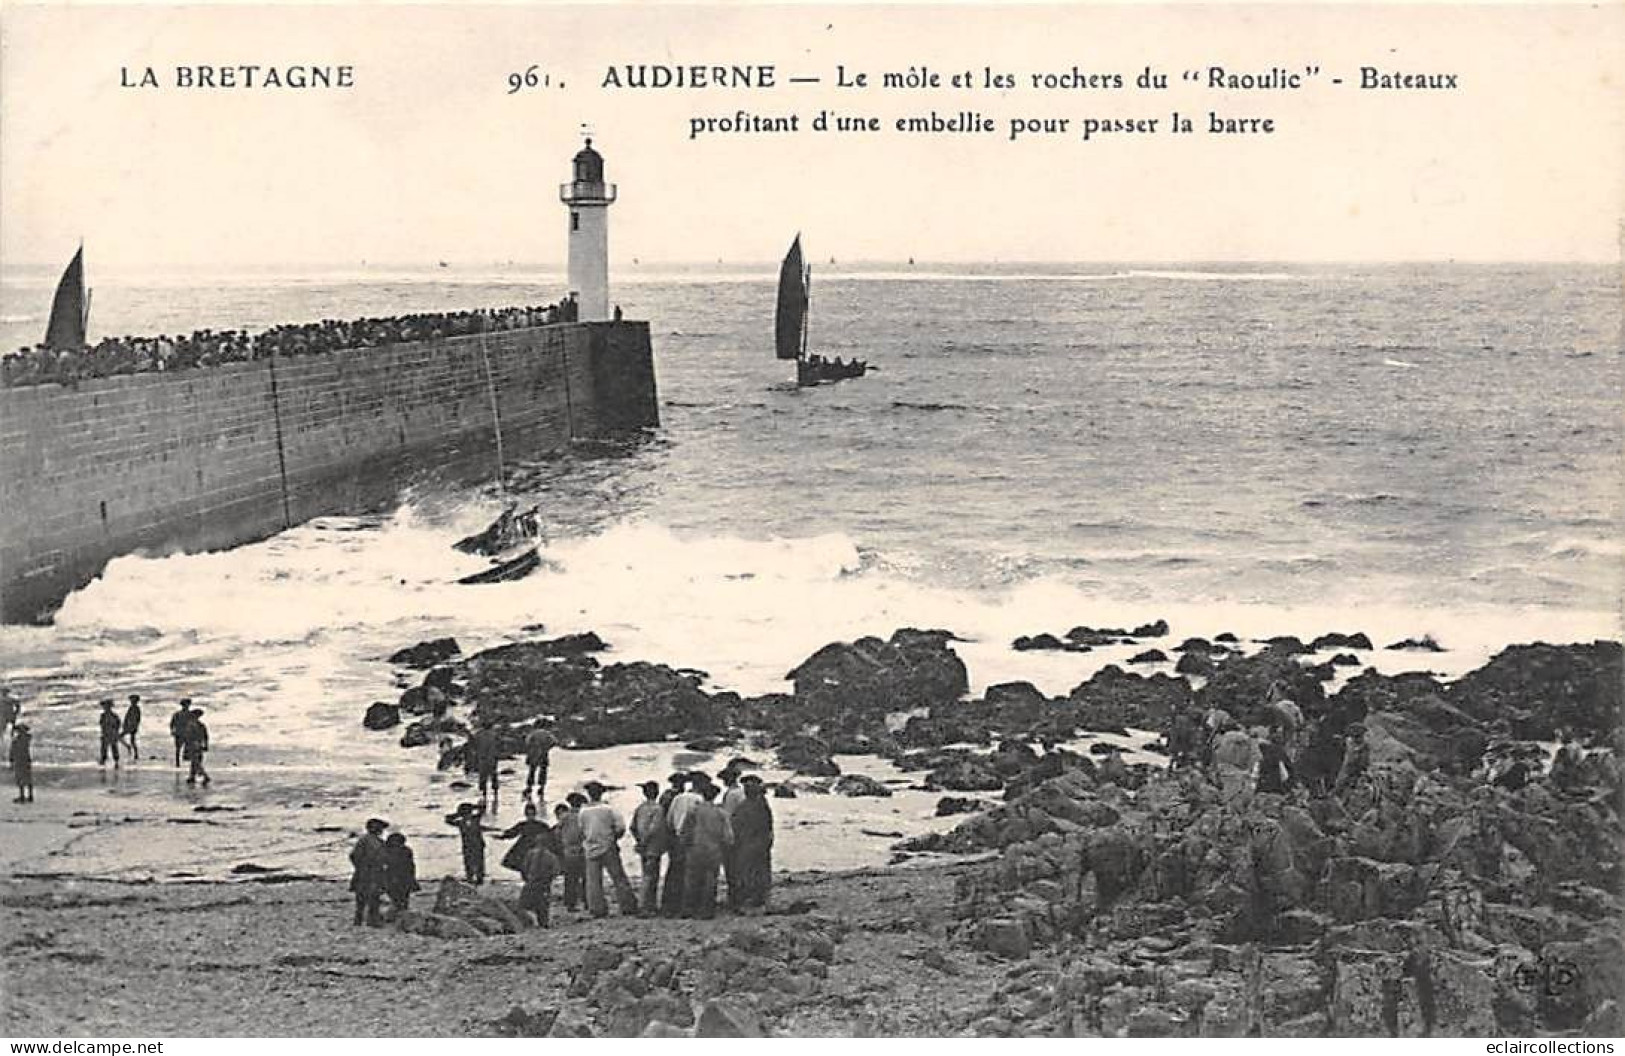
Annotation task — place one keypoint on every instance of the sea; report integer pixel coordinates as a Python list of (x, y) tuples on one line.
[(1403, 450)]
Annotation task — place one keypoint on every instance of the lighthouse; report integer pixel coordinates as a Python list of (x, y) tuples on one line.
[(588, 198)]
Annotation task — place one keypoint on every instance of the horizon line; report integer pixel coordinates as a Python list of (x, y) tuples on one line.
[(557, 267)]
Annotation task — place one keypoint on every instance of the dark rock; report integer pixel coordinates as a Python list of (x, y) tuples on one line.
[(1226, 636), (1014, 695), (1335, 640), (424, 700), (1011, 757), (966, 774), (1195, 663), (1286, 644), (912, 669), (934, 731), (728, 1018), (784, 790), (381, 716), (1541, 688), (1195, 645), (1005, 937), (949, 805), (1113, 700), (428, 731), (1034, 642), (427, 654), (1150, 656), (1321, 672), (860, 785), (1082, 639), (1345, 660), (437, 925), (1424, 644), (1155, 629), (1243, 686), (807, 755), (523, 1022)]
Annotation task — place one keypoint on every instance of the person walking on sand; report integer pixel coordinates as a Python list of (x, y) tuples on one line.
[(178, 723), (111, 726), (601, 832), (572, 858), (132, 724), (538, 744), (400, 874), (653, 838), (196, 747), (368, 859), (753, 846), (22, 761), (707, 837), (485, 752), (469, 821)]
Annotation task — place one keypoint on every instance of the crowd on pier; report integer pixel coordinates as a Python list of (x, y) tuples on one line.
[(206, 348), (687, 837)]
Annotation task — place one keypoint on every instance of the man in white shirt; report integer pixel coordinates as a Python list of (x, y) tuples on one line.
[(682, 804), (601, 831)]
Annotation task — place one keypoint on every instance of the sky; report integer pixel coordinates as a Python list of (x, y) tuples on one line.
[(429, 157)]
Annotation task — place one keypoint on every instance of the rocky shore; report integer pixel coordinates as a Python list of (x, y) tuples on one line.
[(1467, 882), (1463, 885)]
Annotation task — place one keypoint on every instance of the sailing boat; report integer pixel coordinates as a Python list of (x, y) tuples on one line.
[(70, 308), (511, 540), (790, 325)]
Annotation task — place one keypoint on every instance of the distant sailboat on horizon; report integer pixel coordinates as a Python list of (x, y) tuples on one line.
[(70, 307)]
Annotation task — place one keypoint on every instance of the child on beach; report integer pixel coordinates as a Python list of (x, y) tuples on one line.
[(22, 762), (468, 820), (132, 724)]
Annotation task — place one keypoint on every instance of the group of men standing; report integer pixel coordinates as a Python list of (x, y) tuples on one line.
[(687, 838)]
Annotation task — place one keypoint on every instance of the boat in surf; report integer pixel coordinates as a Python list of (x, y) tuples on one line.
[(516, 563), (510, 529), (512, 540), (790, 326)]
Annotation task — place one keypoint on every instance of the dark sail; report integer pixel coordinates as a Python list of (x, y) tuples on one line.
[(67, 326), (792, 313)]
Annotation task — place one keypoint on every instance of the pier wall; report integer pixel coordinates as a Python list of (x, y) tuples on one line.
[(213, 457)]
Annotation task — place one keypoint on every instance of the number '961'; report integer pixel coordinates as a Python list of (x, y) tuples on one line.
[(533, 77)]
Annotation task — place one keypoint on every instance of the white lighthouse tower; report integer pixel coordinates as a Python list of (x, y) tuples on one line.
[(589, 198)]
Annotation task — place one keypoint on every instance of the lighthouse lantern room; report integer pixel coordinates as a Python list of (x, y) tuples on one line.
[(588, 198)]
